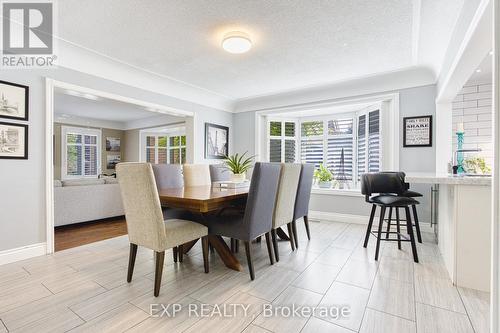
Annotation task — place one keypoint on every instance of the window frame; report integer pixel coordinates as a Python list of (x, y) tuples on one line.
[(65, 130), (168, 147), (283, 138)]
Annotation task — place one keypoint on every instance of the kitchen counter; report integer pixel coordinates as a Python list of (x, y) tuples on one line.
[(434, 178)]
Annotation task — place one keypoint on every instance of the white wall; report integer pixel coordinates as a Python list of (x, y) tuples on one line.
[(413, 102), (22, 201)]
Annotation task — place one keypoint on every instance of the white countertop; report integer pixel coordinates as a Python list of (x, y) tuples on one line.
[(435, 178)]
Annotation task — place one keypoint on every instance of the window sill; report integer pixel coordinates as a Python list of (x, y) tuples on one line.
[(333, 191)]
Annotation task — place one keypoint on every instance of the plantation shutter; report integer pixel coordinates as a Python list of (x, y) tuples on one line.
[(374, 141), (361, 154), (311, 145), (340, 140)]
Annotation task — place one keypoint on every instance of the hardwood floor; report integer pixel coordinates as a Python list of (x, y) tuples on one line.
[(85, 289), (69, 236)]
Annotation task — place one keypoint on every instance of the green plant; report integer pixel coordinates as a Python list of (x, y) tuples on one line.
[(322, 174), (476, 165), (237, 164)]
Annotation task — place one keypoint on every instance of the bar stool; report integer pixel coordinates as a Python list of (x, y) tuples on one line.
[(389, 187), (410, 194)]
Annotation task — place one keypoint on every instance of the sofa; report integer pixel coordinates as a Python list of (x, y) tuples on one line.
[(83, 200)]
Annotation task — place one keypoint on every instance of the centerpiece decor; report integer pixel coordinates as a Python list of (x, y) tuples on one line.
[(323, 176), (238, 165)]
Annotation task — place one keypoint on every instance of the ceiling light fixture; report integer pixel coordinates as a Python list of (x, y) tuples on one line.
[(236, 42), (491, 53), (478, 70)]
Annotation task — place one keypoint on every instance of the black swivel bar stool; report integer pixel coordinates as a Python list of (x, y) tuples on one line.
[(385, 189)]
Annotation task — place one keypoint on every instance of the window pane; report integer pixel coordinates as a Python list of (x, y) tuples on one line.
[(289, 151), (312, 152), (183, 140), (150, 155), (361, 145), (174, 156), (150, 141), (289, 129), (183, 155), (340, 127), (162, 155), (374, 141), (162, 141), (312, 128), (74, 160), (275, 129), (340, 157), (73, 138), (274, 150), (90, 139), (175, 141), (90, 161)]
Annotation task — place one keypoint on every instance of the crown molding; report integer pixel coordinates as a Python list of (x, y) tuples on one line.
[(385, 82), (88, 61)]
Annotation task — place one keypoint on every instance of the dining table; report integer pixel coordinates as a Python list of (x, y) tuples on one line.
[(209, 200)]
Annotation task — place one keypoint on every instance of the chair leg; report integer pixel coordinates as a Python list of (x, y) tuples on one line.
[(258, 239), (269, 248), (212, 248), (290, 235), (379, 233), (295, 237), (160, 257), (175, 253), (398, 226), (409, 225), (306, 223), (131, 261), (369, 228), (388, 223), (204, 246), (275, 245), (236, 245), (249, 260), (232, 245), (181, 253), (417, 224)]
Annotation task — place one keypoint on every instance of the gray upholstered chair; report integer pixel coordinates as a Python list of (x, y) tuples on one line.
[(145, 224), (168, 175), (219, 173), (196, 175), (285, 202), (302, 200), (258, 216)]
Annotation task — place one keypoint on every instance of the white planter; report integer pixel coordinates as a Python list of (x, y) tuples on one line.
[(238, 177), (324, 184)]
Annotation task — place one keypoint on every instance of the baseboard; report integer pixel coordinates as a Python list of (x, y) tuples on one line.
[(21, 253), (352, 218)]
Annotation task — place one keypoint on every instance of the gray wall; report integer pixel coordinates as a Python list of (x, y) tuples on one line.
[(413, 102), (22, 201)]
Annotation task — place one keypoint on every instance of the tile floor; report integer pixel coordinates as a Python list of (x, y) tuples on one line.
[(84, 290)]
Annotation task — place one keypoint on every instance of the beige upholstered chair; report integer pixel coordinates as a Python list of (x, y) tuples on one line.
[(285, 202), (145, 223), (196, 175)]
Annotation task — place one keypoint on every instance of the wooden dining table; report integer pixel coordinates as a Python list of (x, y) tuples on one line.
[(204, 201)]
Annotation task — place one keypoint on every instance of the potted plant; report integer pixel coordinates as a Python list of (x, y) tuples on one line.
[(323, 176), (238, 165)]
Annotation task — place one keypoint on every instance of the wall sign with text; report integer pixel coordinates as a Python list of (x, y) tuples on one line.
[(417, 131)]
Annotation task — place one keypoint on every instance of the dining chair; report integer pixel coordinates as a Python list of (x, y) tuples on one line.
[(196, 175), (145, 224), (301, 209), (219, 173), (257, 218), (285, 202)]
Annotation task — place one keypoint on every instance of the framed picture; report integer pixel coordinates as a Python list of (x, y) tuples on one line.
[(417, 131), (112, 144), (112, 161), (14, 101), (216, 141), (13, 141)]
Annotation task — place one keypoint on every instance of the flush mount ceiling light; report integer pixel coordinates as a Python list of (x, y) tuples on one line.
[(236, 42)]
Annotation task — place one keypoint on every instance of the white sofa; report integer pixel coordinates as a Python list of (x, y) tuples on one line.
[(83, 200)]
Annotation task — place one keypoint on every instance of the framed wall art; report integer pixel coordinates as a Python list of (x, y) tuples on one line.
[(216, 141), (13, 141), (417, 131), (13, 101)]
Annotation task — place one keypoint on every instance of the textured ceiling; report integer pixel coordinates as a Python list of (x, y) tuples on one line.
[(296, 43)]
